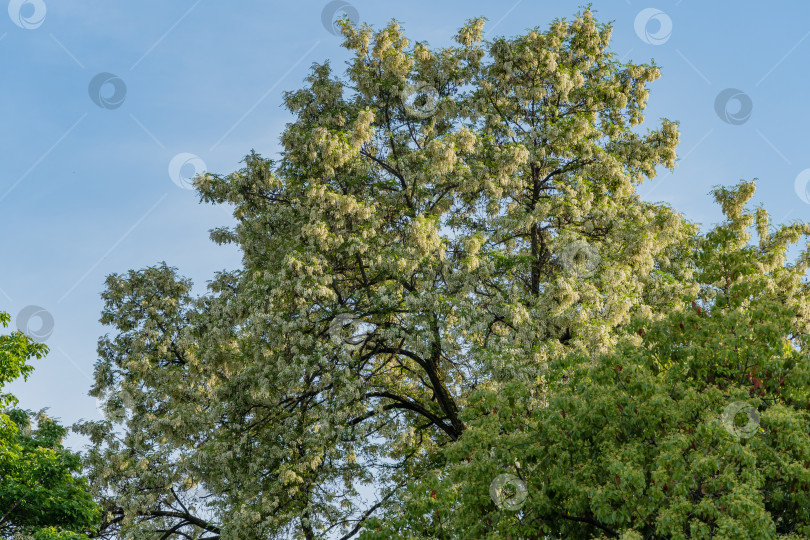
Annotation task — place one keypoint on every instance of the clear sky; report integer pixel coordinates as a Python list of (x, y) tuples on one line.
[(108, 106)]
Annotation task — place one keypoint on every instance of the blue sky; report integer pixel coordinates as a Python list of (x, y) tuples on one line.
[(85, 184)]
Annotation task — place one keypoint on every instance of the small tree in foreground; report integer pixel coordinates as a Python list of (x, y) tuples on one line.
[(695, 426), (42, 496)]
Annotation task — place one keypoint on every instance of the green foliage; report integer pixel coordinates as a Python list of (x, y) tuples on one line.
[(42, 495), (441, 275), (15, 349), (695, 427)]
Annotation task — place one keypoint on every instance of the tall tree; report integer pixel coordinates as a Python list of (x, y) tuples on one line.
[(439, 221), (42, 495)]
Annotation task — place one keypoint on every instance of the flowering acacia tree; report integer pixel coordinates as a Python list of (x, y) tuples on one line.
[(438, 221), (695, 426), (42, 495)]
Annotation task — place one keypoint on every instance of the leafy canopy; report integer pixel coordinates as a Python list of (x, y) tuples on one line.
[(695, 426), (440, 223)]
